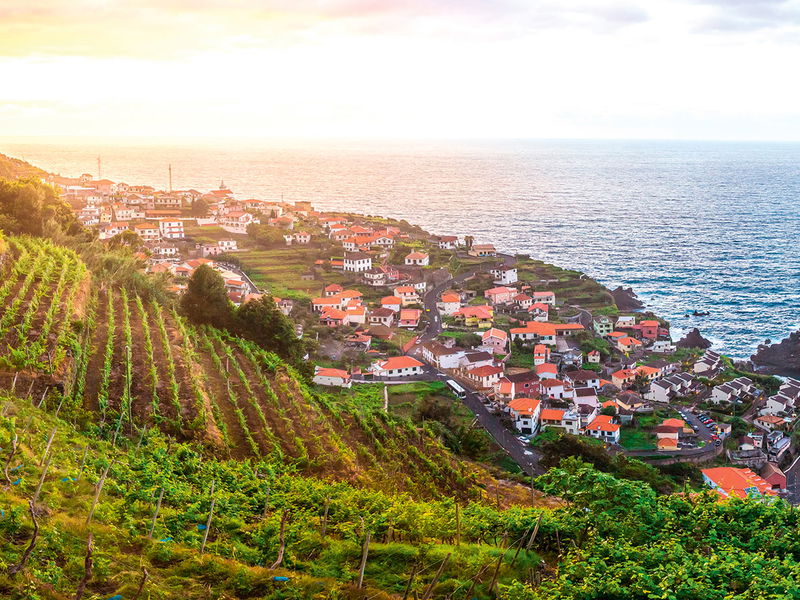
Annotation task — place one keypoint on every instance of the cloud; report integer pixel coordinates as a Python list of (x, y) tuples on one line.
[(742, 16), (165, 28)]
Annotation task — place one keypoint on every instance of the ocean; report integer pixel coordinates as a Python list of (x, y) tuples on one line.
[(706, 226)]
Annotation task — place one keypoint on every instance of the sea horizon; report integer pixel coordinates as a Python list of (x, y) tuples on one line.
[(689, 224)]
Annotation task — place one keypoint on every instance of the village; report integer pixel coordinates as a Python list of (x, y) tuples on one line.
[(529, 348)]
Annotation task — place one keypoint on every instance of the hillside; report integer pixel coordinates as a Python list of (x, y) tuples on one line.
[(167, 522), (120, 363), (152, 517), (14, 168)]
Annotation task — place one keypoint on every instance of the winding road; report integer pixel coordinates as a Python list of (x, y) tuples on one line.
[(518, 449)]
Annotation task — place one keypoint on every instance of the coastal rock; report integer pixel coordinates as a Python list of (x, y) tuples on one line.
[(626, 299), (693, 339), (782, 358)]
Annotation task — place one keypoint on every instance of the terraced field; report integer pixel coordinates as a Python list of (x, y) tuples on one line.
[(81, 347)]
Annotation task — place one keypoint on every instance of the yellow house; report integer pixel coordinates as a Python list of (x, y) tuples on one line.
[(476, 316)]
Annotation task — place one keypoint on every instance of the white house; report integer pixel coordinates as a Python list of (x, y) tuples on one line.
[(709, 362), (778, 403), (545, 297), (525, 413), (556, 389), (407, 294), (663, 347), (237, 221), (357, 262), (171, 229), (382, 316), (419, 259), (148, 232), (449, 303), (447, 242), (485, 376), (442, 356), (504, 275), (583, 378), (732, 391), (604, 428), (397, 366), (544, 333), (109, 230), (165, 251), (332, 377), (567, 420), (625, 322)]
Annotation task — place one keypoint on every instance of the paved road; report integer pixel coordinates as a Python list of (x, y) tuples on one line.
[(431, 297), (519, 451), (522, 454), (584, 317)]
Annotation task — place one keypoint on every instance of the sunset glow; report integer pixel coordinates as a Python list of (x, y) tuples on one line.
[(414, 69)]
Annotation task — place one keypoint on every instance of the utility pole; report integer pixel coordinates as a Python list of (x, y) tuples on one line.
[(99, 169), (170, 178)]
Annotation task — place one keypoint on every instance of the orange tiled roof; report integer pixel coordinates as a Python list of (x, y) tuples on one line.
[(551, 414), (734, 482), (602, 423), (524, 405), (400, 362)]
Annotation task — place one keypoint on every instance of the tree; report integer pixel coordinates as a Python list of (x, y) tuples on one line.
[(206, 300), (28, 206), (199, 208), (470, 340), (263, 323), (126, 238), (266, 235), (641, 382), (468, 241), (739, 427)]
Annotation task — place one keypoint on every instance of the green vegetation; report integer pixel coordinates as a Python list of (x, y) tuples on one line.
[(178, 459), (634, 438), (139, 365), (154, 504), (14, 168), (520, 357), (630, 543), (569, 286), (557, 447), (28, 206), (206, 299)]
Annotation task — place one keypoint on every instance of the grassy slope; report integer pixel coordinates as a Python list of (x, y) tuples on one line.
[(235, 398), (243, 536)]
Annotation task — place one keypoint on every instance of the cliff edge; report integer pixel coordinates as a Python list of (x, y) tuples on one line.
[(625, 299)]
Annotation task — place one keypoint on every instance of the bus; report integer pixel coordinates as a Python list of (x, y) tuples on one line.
[(456, 389)]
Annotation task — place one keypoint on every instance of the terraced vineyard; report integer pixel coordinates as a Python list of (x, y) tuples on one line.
[(74, 343)]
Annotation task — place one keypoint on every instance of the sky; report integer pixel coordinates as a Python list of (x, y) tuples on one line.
[(400, 69)]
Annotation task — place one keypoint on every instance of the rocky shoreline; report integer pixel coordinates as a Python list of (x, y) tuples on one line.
[(781, 358), (626, 299)]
